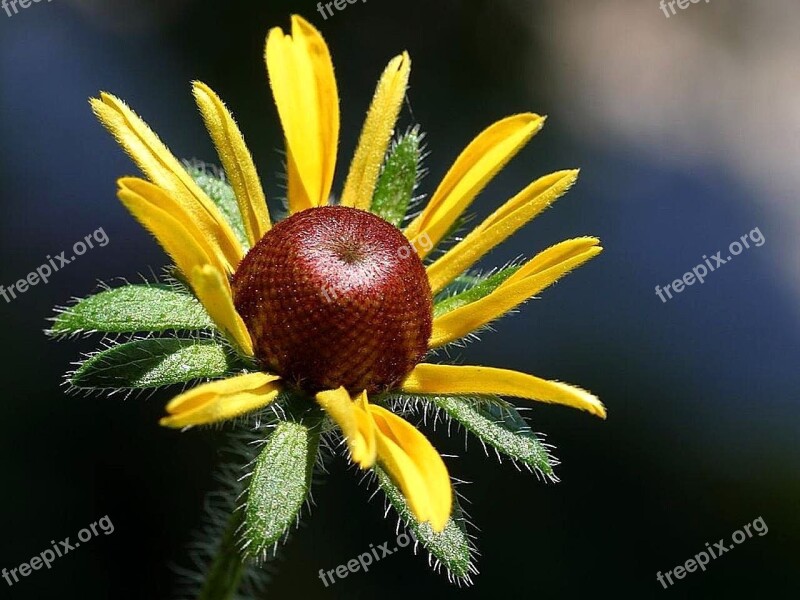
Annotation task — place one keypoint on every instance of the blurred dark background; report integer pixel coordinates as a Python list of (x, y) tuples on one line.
[(686, 130)]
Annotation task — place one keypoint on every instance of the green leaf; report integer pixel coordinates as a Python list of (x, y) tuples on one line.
[(478, 288), (398, 178), (279, 485), (498, 424), (131, 309), (462, 283), (153, 363), (212, 181), (452, 547)]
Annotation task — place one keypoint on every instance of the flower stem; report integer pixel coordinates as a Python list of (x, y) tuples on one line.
[(225, 574)]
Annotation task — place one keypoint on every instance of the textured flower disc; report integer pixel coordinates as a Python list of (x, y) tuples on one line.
[(335, 296)]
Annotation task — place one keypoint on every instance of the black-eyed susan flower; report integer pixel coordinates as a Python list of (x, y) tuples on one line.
[(336, 307)]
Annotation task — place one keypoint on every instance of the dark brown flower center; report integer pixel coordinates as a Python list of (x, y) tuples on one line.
[(335, 296)]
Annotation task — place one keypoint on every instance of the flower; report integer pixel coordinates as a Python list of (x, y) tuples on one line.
[(333, 300)]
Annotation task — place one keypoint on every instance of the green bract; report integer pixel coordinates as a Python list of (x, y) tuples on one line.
[(279, 485), (152, 363), (499, 425), (452, 547), (399, 178), (134, 308)]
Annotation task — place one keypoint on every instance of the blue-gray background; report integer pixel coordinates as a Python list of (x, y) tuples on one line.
[(686, 129)]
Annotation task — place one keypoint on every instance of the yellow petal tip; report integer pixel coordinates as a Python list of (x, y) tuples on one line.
[(591, 403), (301, 20), (536, 118), (169, 422), (107, 99)]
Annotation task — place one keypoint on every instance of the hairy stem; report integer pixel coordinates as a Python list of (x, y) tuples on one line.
[(225, 574)]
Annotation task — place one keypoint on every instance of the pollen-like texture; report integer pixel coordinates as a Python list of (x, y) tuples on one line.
[(335, 296)]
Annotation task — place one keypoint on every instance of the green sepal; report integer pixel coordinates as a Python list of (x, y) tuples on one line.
[(133, 308), (452, 547), (398, 179), (279, 485), (476, 288), (212, 181), (498, 424), (152, 363)]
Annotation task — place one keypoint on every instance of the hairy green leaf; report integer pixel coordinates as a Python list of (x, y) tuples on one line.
[(500, 425), (398, 179), (279, 485), (152, 363), (212, 181), (477, 288), (451, 547), (131, 309)]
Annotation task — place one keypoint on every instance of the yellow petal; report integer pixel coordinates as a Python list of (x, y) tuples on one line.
[(462, 321), (500, 225), (471, 172), (449, 379), (237, 161), (565, 252), (295, 192), (222, 400), (214, 292), (304, 87), (163, 169), (415, 466), (354, 421), (366, 425), (162, 216), (378, 128)]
